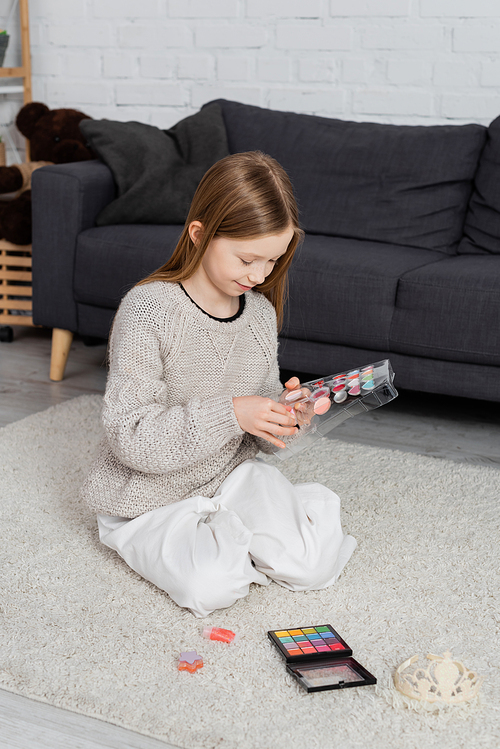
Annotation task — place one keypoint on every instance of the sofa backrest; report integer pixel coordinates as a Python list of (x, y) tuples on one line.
[(482, 222), (401, 184)]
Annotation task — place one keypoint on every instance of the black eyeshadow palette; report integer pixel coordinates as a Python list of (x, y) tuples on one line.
[(319, 658)]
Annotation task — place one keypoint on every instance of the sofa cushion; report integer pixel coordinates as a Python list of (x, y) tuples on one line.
[(111, 259), (156, 171), (342, 291), (399, 184), (482, 221), (450, 310)]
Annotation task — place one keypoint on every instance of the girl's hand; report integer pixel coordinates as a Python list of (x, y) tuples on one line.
[(293, 383), (303, 411), (264, 418)]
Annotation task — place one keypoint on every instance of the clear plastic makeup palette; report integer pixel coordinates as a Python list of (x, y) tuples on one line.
[(321, 405)]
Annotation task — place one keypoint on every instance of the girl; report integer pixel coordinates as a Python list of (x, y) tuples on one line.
[(177, 487)]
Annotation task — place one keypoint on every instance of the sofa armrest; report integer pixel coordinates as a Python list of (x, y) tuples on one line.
[(66, 199)]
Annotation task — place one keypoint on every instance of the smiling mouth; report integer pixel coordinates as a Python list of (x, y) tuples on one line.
[(244, 287)]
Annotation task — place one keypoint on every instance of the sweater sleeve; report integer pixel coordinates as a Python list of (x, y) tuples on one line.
[(272, 385), (142, 432)]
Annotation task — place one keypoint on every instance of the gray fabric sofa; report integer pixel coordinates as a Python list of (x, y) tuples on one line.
[(401, 257)]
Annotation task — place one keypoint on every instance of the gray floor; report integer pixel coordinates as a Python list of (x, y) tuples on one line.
[(25, 387), (26, 724), (440, 426), (443, 427)]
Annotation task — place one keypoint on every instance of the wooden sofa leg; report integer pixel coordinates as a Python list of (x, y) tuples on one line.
[(61, 344)]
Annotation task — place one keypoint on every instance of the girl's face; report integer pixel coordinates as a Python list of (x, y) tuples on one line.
[(234, 266)]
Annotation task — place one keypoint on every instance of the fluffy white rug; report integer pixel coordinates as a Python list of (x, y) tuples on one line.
[(81, 631)]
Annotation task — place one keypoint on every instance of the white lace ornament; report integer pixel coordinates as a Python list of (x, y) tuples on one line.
[(445, 680)]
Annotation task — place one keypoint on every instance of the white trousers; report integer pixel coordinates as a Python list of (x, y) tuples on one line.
[(258, 527)]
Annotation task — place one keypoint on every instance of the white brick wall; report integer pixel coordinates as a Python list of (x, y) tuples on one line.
[(295, 37), (231, 68), (156, 61)]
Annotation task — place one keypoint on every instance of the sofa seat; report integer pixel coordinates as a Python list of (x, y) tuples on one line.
[(109, 260), (342, 291), (450, 310)]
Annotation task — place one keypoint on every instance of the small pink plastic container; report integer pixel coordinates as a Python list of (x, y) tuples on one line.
[(222, 635)]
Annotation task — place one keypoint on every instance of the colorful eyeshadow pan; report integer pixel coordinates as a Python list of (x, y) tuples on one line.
[(322, 406), (297, 644)]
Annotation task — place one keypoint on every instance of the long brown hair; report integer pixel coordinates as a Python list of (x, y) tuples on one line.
[(243, 196)]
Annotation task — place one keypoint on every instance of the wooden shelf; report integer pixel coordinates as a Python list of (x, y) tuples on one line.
[(19, 320), (12, 73), (24, 70), (15, 260), (15, 275), (17, 304), (15, 285), (11, 89)]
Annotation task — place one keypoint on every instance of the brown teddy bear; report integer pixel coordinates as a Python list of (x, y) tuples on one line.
[(55, 138)]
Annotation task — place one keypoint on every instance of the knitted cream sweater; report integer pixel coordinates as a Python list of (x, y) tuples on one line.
[(169, 422)]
